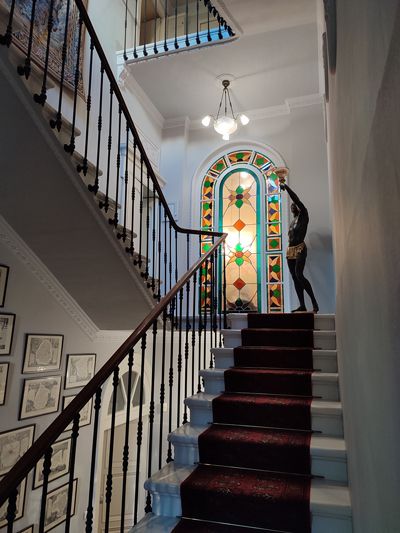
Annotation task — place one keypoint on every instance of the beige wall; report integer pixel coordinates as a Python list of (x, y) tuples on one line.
[(364, 131)]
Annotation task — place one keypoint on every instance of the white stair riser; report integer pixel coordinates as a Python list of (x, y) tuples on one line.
[(166, 504), (324, 322), (328, 424), (332, 468), (331, 524), (323, 340), (325, 390), (324, 360)]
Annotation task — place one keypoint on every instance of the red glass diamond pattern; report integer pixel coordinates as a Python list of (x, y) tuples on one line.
[(239, 284), (239, 225)]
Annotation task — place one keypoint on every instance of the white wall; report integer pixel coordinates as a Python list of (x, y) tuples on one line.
[(364, 131)]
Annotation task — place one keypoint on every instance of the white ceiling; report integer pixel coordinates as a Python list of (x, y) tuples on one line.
[(274, 58)]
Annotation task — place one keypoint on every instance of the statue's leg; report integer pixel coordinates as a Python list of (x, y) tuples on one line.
[(297, 285), (299, 273)]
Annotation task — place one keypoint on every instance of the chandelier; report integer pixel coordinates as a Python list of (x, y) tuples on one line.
[(225, 123)]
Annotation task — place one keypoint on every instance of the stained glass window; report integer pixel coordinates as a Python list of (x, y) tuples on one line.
[(236, 176)]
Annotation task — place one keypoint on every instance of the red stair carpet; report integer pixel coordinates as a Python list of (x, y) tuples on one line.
[(255, 465)]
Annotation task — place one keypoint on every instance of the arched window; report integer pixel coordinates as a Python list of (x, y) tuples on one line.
[(241, 197)]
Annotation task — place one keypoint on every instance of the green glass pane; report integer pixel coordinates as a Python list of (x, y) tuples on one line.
[(276, 268), (239, 261), (207, 183), (239, 155), (239, 203), (239, 247), (239, 190), (219, 166), (276, 293), (274, 243), (259, 161)]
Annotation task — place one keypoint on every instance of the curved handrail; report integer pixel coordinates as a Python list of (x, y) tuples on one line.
[(22, 468)]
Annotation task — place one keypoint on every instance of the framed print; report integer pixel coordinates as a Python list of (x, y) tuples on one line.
[(7, 322), (56, 506), (40, 396), (42, 353), (80, 369), (20, 505), (13, 444), (86, 412), (3, 381), (3, 283), (59, 463), (28, 529)]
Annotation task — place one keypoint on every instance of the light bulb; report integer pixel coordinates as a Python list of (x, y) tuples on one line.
[(244, 119), (206, 121), (225, 136)]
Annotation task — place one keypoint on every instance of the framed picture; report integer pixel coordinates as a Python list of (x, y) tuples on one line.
[(3, 381), (13, 445), (42, 353), (80, 369), (7, 322), (86, 412), (3, 283), (40, 396), (20, 506), (56, 506), (59, 463), (28, 529)]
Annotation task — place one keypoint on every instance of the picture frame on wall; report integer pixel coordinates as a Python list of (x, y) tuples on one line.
[(40, 396), (85, 413), (13, 444), (4, 271), (56, 505), (59, 463), (20, 504), (80, 370), (42, 353), (7, 323), (28, 529), (4, 367)]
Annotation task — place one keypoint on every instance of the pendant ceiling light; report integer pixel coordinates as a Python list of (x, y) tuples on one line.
[(225, 122)]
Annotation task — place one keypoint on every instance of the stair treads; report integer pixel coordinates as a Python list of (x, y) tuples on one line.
[(289, 382), (265, 449), (274, 357), (248, 497), (278, 320), (303, 338), (263, 411), (199, 526)]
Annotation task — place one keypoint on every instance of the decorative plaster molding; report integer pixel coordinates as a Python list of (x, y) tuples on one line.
[(178, 122), (304, 101), (13, 241)]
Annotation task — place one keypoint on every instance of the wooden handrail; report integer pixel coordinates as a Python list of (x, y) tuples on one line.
[(22, 468)]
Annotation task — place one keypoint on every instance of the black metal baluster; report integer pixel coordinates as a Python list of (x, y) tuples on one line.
[(11, 510), (187, 23), (25, 70), (194, 328), (199, 331), (176, 25), (197, 21), (215, 298), (187, 327), (125, 453), (205, 320), (153, 237), (145, 52), (165, 25), (70, 148), (212, 328), (178, 414), (220, 36), (126, 176), (109, 478), (224, 302), (159, 248), (89, 512), (58, 120), (145, 274), (95, 187), (46, 473), (84, 166), (6, 39), (162, 387), (170, 260), (171, 376), (114, 220), (105, 205), (219, 280), (148, 507), (74, 438), (42, 97), (125, 29), (130, 249), (208, 22), (139, 430), (155, 27), (135, 54), (165, 252), (138, 260)]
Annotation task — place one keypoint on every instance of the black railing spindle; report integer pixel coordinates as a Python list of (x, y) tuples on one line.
[(138, 259), (95, 187), (126, 180), (155, 49), (42, 97), (187, 42), (178, 414), (74, 438), (114, 220), (125, 29), (165, 24), (7, 37), (198, 21), (194, 330), (176, 26), (25, 70), (145, 274), (84, 166), (89, 511), (162, 386), (130, 249), (148, 507), (135, 54), (109, 477), (11, 510), (139, 429), (46, 473), (171, 376), (145, 52), (105, 205), (125, 453)]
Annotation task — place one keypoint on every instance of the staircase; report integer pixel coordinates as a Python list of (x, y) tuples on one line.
[(329, 495)]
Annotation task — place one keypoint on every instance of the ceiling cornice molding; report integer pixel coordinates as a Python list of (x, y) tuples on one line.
[(29, 259), (178, 122), (305, 101)]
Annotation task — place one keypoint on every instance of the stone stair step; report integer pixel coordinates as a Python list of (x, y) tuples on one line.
[(323, 340)]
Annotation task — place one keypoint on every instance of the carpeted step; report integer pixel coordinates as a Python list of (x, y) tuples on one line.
[(199, 526), (278, 320), (262, 411), (290, 382), (261, 448), (248, 498), (279, 357), (303, 338)]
